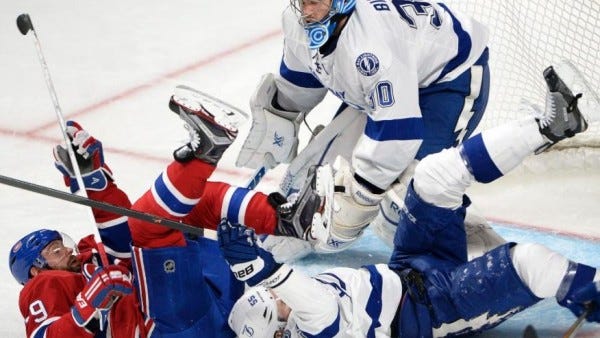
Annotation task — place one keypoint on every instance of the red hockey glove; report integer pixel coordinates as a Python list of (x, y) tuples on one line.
[(104, 287), (90, 159)]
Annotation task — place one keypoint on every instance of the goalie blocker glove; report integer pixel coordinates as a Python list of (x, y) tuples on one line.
[(90, 160), (273, 136)]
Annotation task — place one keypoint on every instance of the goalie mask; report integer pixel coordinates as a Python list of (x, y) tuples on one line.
[(27, 252), (318, 32), (255, 314)]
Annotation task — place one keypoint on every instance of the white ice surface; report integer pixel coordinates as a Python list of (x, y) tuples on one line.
[(114, 64)]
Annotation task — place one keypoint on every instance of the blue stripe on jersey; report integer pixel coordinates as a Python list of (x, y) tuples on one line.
[(116, 237), (464, 45), (300, 79), (41, 332), (373, 307), (478, 160), (169, 199), (235, 204), (411, 128), (329, 331)]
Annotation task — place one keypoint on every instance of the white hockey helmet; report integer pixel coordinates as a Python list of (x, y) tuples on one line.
[(319, 32), (255, 314)]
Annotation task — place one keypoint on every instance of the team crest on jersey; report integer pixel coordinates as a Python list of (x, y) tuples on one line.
[(367, 64), (169, 266)]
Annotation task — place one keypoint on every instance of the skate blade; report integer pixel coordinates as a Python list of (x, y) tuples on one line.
[(224, 114)]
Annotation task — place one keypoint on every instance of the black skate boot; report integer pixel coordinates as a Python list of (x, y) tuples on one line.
[(211, 132), (563, 117)]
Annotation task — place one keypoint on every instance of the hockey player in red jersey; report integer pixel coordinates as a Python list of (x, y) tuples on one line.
[(159, 281)]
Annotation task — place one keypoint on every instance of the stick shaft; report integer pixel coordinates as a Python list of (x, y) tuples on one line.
[(572, 331), (69, 147), (101, 205)]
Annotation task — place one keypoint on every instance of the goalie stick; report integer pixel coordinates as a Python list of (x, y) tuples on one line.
[(25, 25)]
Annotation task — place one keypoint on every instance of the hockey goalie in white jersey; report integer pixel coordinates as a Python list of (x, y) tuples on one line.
[(413, 77), (428, 288)]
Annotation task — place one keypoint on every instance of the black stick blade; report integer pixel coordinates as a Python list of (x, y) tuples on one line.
[(530, 332), (24, 23)]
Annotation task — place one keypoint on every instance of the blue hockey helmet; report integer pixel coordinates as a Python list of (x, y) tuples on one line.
[(27, 252), (320, 31)]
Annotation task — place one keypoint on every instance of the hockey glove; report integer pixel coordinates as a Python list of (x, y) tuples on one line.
[(586, 298), (104, 287), (249, 262), (90, 159), (273, 136)]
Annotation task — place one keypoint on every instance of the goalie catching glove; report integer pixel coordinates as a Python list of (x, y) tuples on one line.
[(273, 136), (90, 159)]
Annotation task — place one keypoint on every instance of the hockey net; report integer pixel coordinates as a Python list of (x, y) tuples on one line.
[(525, 38)]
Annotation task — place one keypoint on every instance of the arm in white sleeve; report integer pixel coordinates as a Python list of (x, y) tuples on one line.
[(314, 306)]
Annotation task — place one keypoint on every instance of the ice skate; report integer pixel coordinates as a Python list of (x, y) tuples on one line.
[(570, 103), (211, 131)]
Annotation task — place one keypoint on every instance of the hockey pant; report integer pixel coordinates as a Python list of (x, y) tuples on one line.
[(187, 291)]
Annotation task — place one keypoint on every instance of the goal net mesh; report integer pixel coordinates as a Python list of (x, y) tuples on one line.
[(525, 38)]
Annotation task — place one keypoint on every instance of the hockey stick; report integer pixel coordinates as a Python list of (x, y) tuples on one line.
[(572, 331), (530, 331), (101, 205), (25, 25)]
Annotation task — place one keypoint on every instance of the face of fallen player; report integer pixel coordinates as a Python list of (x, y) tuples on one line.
[(312, 10), (283, 313), (58, 257)]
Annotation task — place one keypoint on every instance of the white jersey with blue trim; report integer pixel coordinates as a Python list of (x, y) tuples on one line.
[(386, 52), (342, 302)]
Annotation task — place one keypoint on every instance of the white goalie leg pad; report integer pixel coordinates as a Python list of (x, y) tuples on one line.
[(385, 223), (273, 134), (442, 178), (481, 237), (338, 138), (343, 219)]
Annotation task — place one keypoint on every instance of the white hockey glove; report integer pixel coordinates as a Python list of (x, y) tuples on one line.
[(345, 216), (273, 136)]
